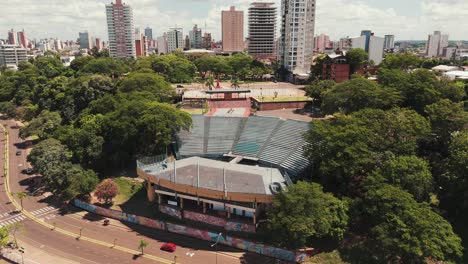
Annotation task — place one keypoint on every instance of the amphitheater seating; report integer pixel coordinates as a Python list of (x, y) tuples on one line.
[(271, 140), (241, 103)]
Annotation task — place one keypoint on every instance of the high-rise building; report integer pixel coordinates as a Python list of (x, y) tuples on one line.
[(149, 33), (375, 46), (196, 39), (367, 34), (162, 44), (85, 40), (12, 55), (232, 30), (141, 44), (207, 41), (297, 36), (436, 44), (389, 42), (321, 43), (175, 40), (22, 40), (98, 44), (262, 30), (12, 37), (121, 30)]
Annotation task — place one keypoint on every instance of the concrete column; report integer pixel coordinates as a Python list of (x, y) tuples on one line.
[(229, 212), (255, 219), (159, 198), (204, 207), (181, 203), (150, 191)]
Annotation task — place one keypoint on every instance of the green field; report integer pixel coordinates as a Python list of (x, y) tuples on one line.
[(127, 188)]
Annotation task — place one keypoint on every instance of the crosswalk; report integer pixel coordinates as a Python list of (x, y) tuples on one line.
[(43, 210), (13, 220)]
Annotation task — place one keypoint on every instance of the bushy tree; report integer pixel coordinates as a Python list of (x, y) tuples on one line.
[(107, 190), (42, 126), (147, 82), (317, 89), (402, 61), (356, 58), (305, 212)]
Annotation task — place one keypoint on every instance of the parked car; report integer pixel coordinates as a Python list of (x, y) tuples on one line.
[(18, 153), (106, 222), (169, 247), (180, 86), (29, 171)]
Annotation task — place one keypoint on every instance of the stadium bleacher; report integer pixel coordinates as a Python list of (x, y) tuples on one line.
[(270, 140)]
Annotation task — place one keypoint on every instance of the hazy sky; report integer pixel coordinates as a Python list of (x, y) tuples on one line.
[(407, 19)]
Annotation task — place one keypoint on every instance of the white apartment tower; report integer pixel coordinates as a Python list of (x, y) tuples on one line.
[(262, 30), (389, 42), (297, 36), (121, 30), (436, 44), (175, 40), (12, 55)]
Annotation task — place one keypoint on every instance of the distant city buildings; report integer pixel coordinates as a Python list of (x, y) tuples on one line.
[(141, 44), (12, 55), (207, 41), (121, 30), (98, 44), (297, 36), (162, 44), (196, 38), (149, 33), (436, 44), (262, 30), (12, 37), (372, 44), (389, 42), (232, 30), (22, 40), (321, 43), (175, 40), (85, 40)]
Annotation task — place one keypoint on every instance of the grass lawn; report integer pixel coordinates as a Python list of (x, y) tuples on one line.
[(283, 99), (193, 111), (128, 187), (327, 258)]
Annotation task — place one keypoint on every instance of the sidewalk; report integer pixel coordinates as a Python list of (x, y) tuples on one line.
[(32, 255)]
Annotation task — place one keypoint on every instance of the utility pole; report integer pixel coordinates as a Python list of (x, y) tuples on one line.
[(216, 246)]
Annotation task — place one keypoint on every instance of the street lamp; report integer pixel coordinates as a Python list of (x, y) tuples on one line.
[(216, 246), (115, 239), (21, 250)]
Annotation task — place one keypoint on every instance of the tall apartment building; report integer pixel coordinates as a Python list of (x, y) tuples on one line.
[(22, 40), (389, 42), (232, 30), (141, 44), (367, 34), (12, 37), (196, 38), (321, 43), (12, 55), (262, 30), (436, 44), (149, 33), (297, 36), (98, 44), (120, 29), (175, 40), (374, 44), (162, 44), (85, 40), (206, 41)]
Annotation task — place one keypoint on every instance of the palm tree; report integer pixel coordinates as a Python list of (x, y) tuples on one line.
[(21, 196), (209, 83), (143, 245)]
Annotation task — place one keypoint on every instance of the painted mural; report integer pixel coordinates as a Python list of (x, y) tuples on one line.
[(170, 211), (194, 232), (117, 215), (208, 219), (148, 222), (239, 227)]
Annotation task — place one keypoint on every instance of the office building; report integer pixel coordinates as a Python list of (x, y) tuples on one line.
[(149, 33), (22, 40), (262, 30), (98, 44), (367, 34), (121, 30), (196, 39), (85, 40), (12, 37), (162, 44), (435, 44), (232, 30), (175, 40), (207, 41), (12, 55), (297, 36), (389, 42), (375, 46), (141, 44)]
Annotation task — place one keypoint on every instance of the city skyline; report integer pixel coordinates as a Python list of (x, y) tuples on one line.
[(407, 20)]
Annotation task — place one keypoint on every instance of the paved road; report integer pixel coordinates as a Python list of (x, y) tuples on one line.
[(59, 247)]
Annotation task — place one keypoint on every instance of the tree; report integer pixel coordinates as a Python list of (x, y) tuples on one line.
[(4, 236), (410, 173), (345, 149), (143, 244), (147, 82), (42, 126), (21, 196), (83, 90), (356, 58), (403, 230), (240, 64), (48, 154), (317, 89), (106, 66), (81, 184), (13, 228), (79, 63), (175, 68), (402, 61), (357, 94), (107, 190), (303, 212), (209, 83)]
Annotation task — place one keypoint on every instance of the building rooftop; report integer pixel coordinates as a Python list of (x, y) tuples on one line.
[(218, 175)]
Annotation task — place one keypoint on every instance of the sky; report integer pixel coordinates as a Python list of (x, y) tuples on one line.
[(406, 19)]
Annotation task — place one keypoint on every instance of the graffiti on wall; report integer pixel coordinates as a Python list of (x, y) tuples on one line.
[(261, 249), (148, 222), (239, 227), (208, 219), (193, 232), (170, 211), (86, 206), (117, 215)]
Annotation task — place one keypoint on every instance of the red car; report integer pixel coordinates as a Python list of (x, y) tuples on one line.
[(169, 247)]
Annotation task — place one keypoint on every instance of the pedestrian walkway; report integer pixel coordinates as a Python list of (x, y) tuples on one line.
[(44, 210), (12, 221)]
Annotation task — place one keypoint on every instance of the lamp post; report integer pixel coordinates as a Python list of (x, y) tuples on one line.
[(115, 240), (216, 246), (21, 250)]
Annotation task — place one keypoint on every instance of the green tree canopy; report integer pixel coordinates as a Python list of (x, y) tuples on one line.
[(147, 82), (42, 126), (305, 212), (356, 58), (402, 61)]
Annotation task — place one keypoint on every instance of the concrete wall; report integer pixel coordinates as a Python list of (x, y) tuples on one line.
[(288, 255), (281, 105)]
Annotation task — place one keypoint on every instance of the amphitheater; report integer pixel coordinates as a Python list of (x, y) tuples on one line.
[(263, 141)]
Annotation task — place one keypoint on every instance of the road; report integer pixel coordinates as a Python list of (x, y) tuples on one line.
[(44, 244)]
